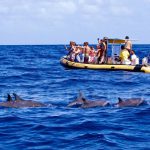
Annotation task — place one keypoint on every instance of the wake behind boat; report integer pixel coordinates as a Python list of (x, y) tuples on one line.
[(112, 62)]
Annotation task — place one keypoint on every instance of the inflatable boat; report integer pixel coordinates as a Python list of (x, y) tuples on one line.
[(115, 46), (76, 65)]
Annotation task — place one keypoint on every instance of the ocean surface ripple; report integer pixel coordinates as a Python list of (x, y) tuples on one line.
[(34, 73)]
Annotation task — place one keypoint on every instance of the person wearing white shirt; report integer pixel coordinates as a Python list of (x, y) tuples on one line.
[(134, 58)]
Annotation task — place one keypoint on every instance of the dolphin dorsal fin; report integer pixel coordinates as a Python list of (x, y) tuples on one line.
[(84, 100), (9, 98), (80, 96), (120, 100), (17, 97)]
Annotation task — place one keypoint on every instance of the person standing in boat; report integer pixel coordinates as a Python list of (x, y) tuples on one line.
[(102, 52), (92, 55), (128, 44), (77, 54), (87, 50), (71, 49), (98, 54), (105, 39)]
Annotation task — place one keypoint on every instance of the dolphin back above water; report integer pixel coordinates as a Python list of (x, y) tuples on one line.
[(129, 102), (98, 103), (78, 101), (84, 103), (18, 102)]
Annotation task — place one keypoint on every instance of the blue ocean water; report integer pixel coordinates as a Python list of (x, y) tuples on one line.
[(34, 73)]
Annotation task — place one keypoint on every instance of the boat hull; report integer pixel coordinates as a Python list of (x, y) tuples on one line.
[(76, 65)]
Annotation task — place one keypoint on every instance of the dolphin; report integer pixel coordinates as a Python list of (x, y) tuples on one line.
[(97, 103), (8, 103), (84, 103), (78, 101), (129, 102), (9, 98), (18, 102)]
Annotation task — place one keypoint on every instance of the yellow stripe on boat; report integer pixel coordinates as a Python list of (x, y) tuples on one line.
[(137, 68), (146, 69)]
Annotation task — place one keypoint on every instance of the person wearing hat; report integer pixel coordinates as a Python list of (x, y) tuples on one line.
[(128, 44)]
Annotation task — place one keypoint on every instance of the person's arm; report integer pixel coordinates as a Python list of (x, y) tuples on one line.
[(66, 47), (120, 56)]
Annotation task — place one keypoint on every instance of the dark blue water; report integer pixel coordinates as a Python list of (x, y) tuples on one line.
[(34, 73)]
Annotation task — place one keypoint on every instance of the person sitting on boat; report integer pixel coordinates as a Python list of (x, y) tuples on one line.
[(124, 56), (92, 55), (128, 44), (134, 58), (146, 60), (86, 52)]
